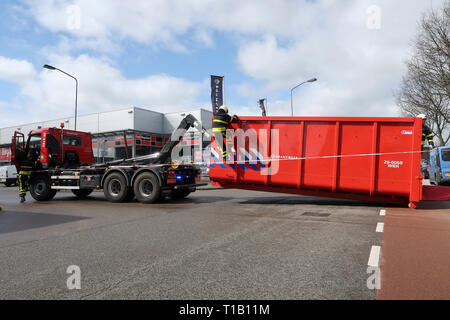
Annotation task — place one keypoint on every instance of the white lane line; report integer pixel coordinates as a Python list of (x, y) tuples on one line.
[(382, 212), (380, 227), (374, 256)]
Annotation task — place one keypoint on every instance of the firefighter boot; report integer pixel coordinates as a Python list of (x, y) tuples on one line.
[(22, 198)]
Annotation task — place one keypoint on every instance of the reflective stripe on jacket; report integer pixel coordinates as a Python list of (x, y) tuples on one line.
[(27, 166), (222, 120), (427, 134)]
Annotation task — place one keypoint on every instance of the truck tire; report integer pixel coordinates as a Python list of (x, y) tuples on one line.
[(82, 193), (179, 194), (147, 188), (40, 188), (115, 187)]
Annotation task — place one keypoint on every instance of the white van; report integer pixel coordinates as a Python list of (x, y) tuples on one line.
[(8, 175)]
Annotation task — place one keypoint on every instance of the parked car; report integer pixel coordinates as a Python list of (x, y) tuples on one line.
[(440, 166), (8, 175), (425, 167)]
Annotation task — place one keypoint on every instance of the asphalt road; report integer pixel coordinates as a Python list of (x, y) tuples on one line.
[(216, 244)]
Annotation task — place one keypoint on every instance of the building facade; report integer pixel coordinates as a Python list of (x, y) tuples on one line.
[(119, 134)]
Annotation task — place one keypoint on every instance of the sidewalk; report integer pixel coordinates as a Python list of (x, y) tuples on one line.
[(415, 254)]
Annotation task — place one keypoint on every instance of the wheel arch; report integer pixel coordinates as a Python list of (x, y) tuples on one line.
[(49, 194), (151, 170), (116, 170)]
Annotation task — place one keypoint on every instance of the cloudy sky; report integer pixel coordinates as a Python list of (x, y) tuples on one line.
[(158, 54)]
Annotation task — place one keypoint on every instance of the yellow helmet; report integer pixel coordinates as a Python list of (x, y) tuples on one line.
[(224, 108)]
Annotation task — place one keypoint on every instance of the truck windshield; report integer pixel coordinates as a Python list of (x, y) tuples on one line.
[(35, 141), (445, 155)]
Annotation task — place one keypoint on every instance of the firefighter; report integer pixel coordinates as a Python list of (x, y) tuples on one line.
[(26, 168), (220, 124), (427, 134)]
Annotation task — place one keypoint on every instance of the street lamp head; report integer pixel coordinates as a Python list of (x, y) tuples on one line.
[(46, 66), (292, 105)]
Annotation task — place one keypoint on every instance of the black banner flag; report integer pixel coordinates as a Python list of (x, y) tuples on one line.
[(216, 93)]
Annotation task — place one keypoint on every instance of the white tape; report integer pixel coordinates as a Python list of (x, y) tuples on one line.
[(293, 158)]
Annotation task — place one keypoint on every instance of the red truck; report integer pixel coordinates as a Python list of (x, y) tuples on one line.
[(65, 162)]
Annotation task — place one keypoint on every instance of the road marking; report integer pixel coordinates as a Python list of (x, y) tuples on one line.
[(382, 212), (380, 227), (374, 256)]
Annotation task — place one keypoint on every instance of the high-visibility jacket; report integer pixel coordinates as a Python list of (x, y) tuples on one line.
[(221, 121), (27, 166), (428, 135)]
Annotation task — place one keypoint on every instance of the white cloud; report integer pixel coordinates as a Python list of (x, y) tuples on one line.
[(167, 22), (358, 68), (15, 70), (50, 94), (280, 43)]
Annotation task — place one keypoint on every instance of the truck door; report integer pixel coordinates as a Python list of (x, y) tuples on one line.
[(49, 151), (18, 150)]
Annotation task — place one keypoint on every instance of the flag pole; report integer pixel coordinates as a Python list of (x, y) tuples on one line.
[(223, 84)]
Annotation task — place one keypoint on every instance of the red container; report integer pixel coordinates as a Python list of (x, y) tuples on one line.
[(369, 159)]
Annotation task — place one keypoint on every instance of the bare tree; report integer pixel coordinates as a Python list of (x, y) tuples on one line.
[(426, 85)]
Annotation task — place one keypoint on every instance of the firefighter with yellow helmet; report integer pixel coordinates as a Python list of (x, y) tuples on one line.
[(427, 134), (219, 128)]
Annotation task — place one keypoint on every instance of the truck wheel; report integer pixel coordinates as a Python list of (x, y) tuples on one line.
[(179, 194), (82, 193), (147, 188), (115, 187), (40, 188)]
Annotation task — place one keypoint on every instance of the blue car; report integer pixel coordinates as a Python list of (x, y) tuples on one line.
[(440, 166)]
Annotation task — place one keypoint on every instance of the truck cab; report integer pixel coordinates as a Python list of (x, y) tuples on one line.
[(440, 166), (53, 147)]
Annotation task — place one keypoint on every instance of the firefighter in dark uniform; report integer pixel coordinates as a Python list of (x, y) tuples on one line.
[(26, 168), (220, 124), (427, 134)]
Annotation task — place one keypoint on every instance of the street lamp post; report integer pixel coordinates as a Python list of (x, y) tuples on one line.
[(46, 66), (292, 106)]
